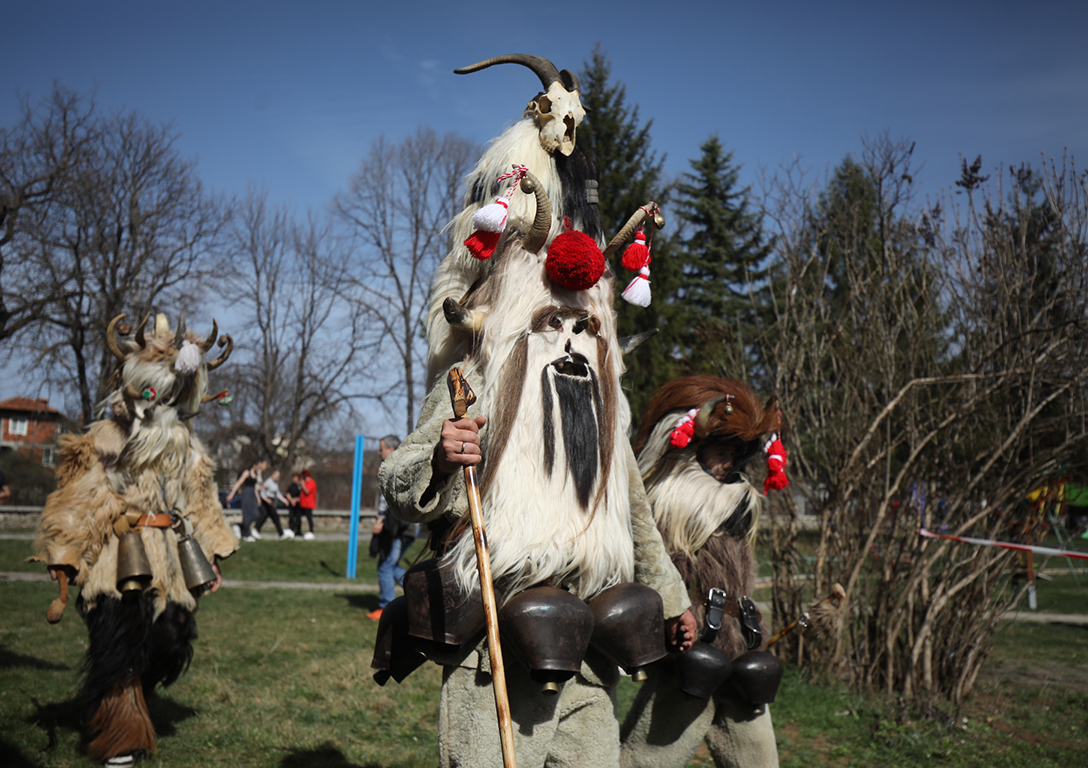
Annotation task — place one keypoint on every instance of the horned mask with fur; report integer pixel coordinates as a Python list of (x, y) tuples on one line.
[(555, 487), (160, 385), (543, 140), (703, 503)]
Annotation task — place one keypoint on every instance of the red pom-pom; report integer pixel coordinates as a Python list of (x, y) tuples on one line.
[(637, 254), (481, 243), (574, 261)]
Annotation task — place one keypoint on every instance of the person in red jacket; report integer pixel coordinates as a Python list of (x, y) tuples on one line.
[(307, 500)]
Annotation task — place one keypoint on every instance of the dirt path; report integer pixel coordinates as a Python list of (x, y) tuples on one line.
[(334, 586)]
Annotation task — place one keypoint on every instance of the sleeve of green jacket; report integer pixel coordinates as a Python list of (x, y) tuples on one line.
[(407, 477)]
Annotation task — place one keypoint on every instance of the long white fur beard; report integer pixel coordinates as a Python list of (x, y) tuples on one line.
[(535, 526)]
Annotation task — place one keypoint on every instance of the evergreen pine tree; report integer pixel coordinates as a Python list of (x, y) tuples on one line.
[(724, 251)]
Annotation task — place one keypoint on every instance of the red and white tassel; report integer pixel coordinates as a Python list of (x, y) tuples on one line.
[(776, 465), (684, 429), (637, 291), (489, 222), (637, 258)]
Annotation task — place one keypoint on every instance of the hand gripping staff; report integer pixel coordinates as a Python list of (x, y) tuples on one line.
[(462, 397)]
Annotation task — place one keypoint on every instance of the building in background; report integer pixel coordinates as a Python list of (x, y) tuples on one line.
[(30, 426)]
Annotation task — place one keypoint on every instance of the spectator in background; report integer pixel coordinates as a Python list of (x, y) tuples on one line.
[(270, 496), (5, 489), (394, 537), (247, 482), (294, 516), (307, 500)]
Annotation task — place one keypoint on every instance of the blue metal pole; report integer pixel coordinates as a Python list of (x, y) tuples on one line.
[(356, 499)]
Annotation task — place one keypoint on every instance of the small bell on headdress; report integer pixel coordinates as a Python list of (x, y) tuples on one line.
[(133, 567)]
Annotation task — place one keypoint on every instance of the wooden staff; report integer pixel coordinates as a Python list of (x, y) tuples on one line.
[(462, 397), (56, 608)]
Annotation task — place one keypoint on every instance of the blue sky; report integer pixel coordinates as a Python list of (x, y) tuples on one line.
[(289, 96)]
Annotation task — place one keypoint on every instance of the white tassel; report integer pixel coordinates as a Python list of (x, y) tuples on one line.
[(638, 291), (188, 359), (492, 217)]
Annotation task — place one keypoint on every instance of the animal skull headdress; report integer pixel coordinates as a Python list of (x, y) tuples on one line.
[(162, 368), (557, 110)]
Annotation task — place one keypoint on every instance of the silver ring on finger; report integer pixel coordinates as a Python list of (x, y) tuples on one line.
[(462, 447)]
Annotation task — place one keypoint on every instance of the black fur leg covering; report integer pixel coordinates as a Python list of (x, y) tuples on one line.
[(119, 634), (172, 639)]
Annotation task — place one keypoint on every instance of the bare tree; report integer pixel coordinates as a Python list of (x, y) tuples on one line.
[(305, 355), (38, 159), (397, 206), (927, 381), (132, 229)]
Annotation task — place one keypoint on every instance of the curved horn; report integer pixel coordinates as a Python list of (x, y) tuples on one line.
[(224, 341), (210, 338), (569, 80), (631, 343), (542, 224), (111, 339), (140, 339), (179, 337), (702, 420), (637, 218), (207, 398), (543, 68), (460, 318)]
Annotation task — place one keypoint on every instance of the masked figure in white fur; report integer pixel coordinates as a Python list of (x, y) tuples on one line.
[(562, 501), (707, 512), (136, 523)]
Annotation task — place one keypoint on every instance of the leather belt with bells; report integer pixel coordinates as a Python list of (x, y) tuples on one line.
[(743, 609)]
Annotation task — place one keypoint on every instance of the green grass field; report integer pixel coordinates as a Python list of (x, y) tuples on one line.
[(281, 677)]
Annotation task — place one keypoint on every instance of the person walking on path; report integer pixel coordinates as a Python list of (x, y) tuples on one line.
[(394, 537), (294, 511), (247, 482), (307, 500), (270, 496)]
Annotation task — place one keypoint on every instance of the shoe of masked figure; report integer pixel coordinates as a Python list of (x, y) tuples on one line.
[(309, 535), (248, 538), (287, 534), (255, 534)]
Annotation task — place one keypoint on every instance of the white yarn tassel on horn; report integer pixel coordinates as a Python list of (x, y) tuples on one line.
[(638, 290), (188, 359)]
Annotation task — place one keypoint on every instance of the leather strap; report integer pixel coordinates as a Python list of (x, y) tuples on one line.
[(155, 520)]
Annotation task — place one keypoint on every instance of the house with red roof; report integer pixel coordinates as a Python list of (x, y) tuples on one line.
[(30, 425)]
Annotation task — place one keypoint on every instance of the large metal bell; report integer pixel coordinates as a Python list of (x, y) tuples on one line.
[(702, 670), (629, 626), (756, 675), (548, 629), (437, 609), (133, 567), (195, 568), (396, 654)]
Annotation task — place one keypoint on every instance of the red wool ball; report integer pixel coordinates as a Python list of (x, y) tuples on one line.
[(574, 261)]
